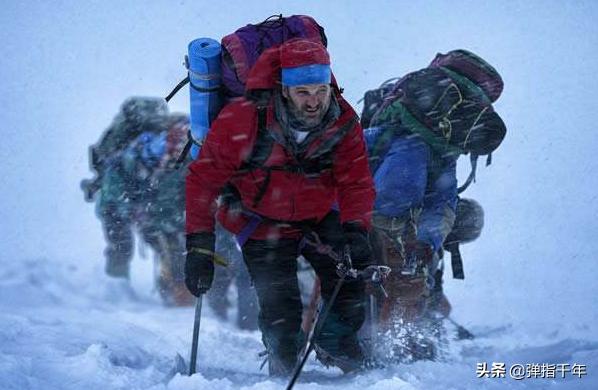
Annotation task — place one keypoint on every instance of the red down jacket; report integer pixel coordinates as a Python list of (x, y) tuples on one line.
[(289, 196)]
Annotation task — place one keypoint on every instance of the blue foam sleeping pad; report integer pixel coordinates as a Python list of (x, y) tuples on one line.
[(205, 80)]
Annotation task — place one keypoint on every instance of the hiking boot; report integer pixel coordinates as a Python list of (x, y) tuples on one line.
[(349, 359), (440, 304), (281, 366), (219, 307), (118, 290), (117, 268), (410, 342)]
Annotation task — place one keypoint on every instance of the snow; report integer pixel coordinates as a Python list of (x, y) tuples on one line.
[(59, 331), (530, 284)]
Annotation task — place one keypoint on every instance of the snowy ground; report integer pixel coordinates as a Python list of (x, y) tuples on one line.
[(530, 287), (62, 327)]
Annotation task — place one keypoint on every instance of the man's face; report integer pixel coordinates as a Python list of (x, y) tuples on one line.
[(309, 103)]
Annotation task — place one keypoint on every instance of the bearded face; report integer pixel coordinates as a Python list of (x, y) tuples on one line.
[(308, 103)]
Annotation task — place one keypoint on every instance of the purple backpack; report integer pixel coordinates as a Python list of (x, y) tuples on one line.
[(241, 49)]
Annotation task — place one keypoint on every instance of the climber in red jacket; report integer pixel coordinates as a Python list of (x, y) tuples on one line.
[(288, 160)]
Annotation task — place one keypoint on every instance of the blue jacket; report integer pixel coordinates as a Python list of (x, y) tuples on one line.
[(408, 175)]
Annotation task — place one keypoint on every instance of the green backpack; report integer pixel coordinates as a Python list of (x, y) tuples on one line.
[(449, 104)]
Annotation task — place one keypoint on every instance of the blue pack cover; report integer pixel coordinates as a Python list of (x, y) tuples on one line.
[(204, 86)]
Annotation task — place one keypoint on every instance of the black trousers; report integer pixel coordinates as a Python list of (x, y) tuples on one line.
[(272, 265)]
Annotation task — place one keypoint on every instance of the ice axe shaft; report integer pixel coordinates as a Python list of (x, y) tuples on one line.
[(194, 344), (317, 328), (462, 332)]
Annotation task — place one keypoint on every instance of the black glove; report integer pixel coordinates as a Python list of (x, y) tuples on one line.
[(359, 245), (199, 265), (90, 187)]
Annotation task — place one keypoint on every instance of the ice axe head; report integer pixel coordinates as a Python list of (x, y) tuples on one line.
[(179, 366), (375, 275)]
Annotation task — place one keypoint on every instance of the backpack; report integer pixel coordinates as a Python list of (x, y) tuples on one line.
[(372, 100), (241, 49), (137, 114), (238, 53), (449, 104)]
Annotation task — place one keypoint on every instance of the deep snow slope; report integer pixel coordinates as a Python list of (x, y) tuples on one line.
[(530, 280), (62, 327)]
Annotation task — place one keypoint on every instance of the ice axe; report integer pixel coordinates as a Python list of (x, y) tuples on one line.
[(462, 332), (345, 271), (317, 327), (197, 321), (180, 366), (194, 343)]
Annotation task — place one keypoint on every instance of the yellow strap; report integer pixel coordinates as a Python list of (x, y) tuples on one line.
[(215, 257)]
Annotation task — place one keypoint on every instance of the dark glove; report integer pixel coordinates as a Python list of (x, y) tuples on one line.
[(359, 245), (199, 265), (90, 187)]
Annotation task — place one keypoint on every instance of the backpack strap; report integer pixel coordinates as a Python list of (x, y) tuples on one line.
[(177, 88), (456, 260), (329, 144), (190, 142), (473, 158), (471, 178), (262, 149), (263, 142)]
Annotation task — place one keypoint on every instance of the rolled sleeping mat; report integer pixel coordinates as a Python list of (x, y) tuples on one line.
[(204, 87)]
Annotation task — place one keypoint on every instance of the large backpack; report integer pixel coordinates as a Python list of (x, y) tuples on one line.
[(449, 104), (241, 49), (239, 52), (136, 115)]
